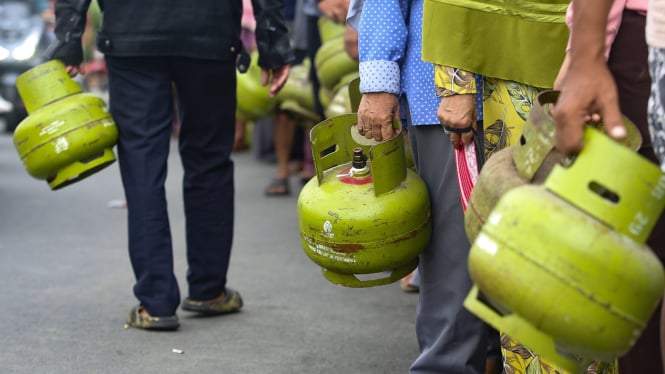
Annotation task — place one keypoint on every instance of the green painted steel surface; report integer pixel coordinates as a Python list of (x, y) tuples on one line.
[(497, 177), (69, 135), (328, 29), (333, 63)]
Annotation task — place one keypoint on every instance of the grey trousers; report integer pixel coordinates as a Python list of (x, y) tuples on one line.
[(451, 339)]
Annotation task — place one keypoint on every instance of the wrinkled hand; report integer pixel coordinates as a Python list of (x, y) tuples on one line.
[(334, 9), (459, 112), (587, 91), (375, 115), (276, 77)]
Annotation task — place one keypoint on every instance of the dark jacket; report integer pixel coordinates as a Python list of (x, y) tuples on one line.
[(206, 29)]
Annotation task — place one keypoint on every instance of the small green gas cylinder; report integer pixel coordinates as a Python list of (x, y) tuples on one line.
[(296, 97), (366, 217), (68, 135), (563, 267), (254, 101)]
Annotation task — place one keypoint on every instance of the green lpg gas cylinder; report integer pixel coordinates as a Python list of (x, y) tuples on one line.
[(254, 100), (333, 63), (529, 162), (365, 217), (329, 29), (68, 134), (562, 267), (296, 97)]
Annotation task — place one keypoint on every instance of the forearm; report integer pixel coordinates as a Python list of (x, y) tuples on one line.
[(588, 88), (272, 37), (589, 22), (70, 16), (381, 49)]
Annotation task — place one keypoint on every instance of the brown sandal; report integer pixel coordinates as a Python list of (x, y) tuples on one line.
[(278, 187), (135, 319)]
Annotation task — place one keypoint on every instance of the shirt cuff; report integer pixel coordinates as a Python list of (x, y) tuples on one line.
[(379, 76), (452, 81)]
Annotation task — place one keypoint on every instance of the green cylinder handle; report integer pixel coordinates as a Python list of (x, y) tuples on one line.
[(612, 183), (334, 139)]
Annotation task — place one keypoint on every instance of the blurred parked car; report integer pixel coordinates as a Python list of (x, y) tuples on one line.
[(24, 35)]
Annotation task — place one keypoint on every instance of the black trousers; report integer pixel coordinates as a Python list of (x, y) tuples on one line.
[(313, 45), (141, 102)]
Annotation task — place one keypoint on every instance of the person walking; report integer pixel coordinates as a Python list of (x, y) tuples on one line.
[(148, 45)]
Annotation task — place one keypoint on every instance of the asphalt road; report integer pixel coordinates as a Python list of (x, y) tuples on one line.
[(67, 287)]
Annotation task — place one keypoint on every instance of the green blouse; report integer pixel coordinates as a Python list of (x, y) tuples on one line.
[(517, 40)]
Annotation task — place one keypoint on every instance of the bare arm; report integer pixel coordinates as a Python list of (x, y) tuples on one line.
[(587, 87), (334, 9)]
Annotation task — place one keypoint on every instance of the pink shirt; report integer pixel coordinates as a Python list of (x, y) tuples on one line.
[(613, 20), (248, 20)]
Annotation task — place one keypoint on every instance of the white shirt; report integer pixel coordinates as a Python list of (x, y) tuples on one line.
[(656, 24)]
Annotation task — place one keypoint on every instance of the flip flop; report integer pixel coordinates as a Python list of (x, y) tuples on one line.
[(408, 284), (136, 320), (232, 303), (278, 187)]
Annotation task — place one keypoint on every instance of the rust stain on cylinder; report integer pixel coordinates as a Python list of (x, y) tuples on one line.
[(347, 247)]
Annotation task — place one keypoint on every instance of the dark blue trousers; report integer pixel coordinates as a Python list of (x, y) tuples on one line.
[(141, 103)]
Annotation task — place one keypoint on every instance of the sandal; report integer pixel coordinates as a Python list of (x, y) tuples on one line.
[(278, 187), (135, 319), (231, 303), (408, 284)]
